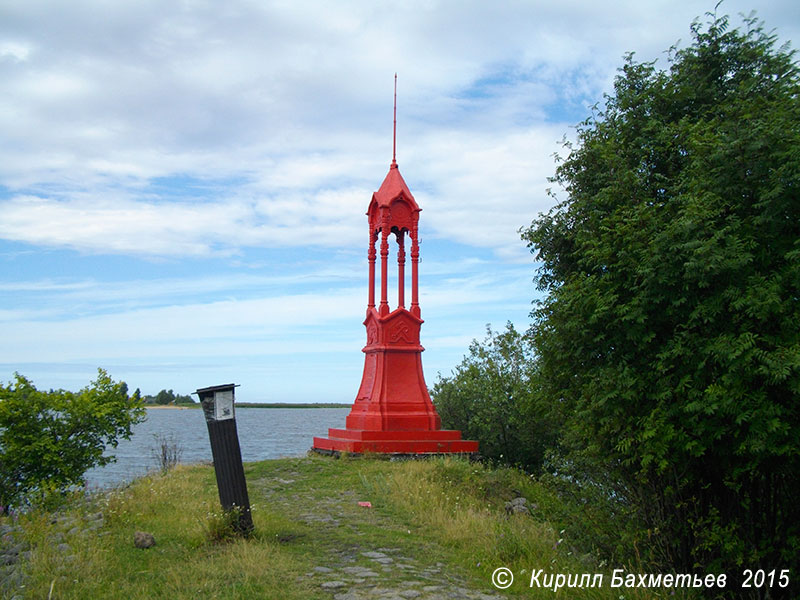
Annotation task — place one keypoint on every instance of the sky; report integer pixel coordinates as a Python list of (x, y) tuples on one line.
[(183, 184)]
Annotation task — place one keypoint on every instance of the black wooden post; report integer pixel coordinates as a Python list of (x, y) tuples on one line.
[(218, 407)]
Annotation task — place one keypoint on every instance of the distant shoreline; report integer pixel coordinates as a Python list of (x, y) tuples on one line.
[(253, 405)]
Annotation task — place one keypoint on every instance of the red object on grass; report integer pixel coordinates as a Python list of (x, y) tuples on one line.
[(393, 412), (365, 504)]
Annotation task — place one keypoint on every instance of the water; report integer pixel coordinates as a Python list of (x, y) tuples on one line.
[(263, 433)]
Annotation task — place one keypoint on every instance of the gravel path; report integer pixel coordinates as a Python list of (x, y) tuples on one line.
[(353, 564)]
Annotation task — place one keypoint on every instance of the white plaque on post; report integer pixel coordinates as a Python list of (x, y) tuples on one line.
[(223, 405)]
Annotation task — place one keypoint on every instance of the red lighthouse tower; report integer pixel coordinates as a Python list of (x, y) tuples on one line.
[(393, 412)]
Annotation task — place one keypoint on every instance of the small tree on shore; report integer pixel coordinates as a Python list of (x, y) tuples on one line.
[(48, 440)]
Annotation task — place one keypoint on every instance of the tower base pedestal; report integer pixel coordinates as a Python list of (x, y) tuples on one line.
[(395, 442), (393, 412)]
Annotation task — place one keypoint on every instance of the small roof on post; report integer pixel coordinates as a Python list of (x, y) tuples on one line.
[(216, 388)]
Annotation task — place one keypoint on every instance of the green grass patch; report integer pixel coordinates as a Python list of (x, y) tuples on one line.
[(439, 523)]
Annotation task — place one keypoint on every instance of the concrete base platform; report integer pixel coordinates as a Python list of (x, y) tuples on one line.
[(395, 442)]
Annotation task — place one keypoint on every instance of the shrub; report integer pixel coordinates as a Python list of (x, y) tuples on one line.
[(492, 397), (48, 440)]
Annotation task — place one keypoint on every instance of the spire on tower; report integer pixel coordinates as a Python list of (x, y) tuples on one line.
[(394, 125)]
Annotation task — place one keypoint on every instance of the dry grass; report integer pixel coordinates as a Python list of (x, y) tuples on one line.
[(174, 508), (462, 504), (449, 510)]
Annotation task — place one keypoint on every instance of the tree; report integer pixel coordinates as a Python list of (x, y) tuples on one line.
[(669, 336), (490, 397), (48, 440), (184, 399), (165, 397)]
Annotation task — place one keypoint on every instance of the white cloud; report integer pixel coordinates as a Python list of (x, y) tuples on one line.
[(14, 51), (263, 324), (251, 135), (123, 225), (484, 187), (295, 99), (207, 328)]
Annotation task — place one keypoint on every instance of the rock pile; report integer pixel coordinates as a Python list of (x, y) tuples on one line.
[(15, 551)]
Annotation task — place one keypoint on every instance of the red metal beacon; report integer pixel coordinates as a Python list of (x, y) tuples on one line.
[(393, 412)]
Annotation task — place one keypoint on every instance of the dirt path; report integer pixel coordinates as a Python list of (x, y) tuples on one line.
[(358, 553)]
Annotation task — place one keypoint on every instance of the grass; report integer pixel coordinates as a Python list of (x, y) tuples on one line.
[(183, 564), (443, 521)]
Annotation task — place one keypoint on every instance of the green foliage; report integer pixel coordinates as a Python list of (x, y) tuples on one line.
[(165, 397), (669, 339), (490, 397), (184, 399), (225, 526), (48, 440)]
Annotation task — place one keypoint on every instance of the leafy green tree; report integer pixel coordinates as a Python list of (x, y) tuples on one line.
[(165, 397), (184, 399), (490, 397), (669, 337), (48, 440)]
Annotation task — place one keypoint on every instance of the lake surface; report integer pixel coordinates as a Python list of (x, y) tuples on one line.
[(263, 433)]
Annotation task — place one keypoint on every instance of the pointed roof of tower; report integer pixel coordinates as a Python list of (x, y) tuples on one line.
[(393, 186)]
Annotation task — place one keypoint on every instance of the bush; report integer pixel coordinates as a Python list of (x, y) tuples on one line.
[(491, 397), (167, 451), (48, 440)]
